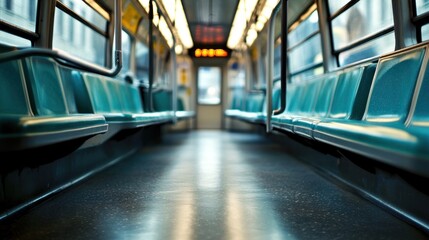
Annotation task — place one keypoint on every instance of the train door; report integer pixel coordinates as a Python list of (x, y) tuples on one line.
[(209, 97)]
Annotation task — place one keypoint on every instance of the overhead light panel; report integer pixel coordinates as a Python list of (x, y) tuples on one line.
[(242, 17), (265, 14), (181, 24), (176, 14), (238, 26), (252, 34), (165, 31)]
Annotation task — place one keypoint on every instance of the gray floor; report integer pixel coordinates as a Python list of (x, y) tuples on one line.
[(208, 185)]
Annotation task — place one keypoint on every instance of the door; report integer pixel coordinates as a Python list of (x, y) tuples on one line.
[(209, 85)]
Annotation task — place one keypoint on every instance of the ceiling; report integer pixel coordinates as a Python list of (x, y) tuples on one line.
[(210, 20)]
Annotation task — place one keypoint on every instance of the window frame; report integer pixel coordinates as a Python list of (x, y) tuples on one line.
[(62, 6), (12, 29), (418, 20), (359, 42), (310, 36)]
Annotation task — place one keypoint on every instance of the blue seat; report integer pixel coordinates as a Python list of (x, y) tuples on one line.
[(182, 112), (339, 98), (251, 108), (384, 133), (254, 107), (119, 102), (34, 111), (301, 100), (318, 107)]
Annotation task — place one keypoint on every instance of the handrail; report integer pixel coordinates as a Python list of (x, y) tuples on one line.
[(270, 63), (75, 61)]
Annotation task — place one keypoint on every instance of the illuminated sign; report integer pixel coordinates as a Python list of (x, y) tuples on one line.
[(203, 52)]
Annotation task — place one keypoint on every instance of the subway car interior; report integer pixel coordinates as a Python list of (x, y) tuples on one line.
[(214, 119)]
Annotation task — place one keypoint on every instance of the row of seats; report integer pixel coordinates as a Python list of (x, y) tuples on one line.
[(251, 107), (162, 101), (378, 110), (43, 102)]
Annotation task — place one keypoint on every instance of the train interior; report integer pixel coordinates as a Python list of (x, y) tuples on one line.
[(204, 119)]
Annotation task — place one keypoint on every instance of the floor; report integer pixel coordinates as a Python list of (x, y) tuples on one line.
[(208, 185)]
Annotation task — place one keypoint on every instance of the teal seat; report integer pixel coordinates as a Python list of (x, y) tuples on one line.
[(254, 107), (33, 107), (162, 100), (249, 109), (383, 133), (293, 95), (318, 107), (342, 96), (301, 99), (119, 102), (182, 112)]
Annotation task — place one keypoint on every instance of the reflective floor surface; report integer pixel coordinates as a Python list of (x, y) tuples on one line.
[(208, 185)]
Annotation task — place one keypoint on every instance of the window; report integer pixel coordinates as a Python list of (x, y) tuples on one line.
[(32, 11), (361, 30), (209, 85), (422, 6), (126, 48), (142, 62), (80, 31), (21, 14), (421, 17), (304, 47)]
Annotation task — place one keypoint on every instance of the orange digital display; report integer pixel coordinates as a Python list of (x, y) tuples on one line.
[(210, 52)]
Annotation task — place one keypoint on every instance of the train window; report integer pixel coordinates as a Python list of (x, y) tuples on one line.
[(21, 17), (20, 13), (384, 44), (420, 18), (425, 32), (209, 85), (126, 48), (13, 40), (422, 6), (80, 31), (354, 38), (142, 62), (305, 49)]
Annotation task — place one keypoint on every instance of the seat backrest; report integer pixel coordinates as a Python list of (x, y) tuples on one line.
[(130, 97), (255, 101), (162, 100), (393, 85), (13, 97), (294, 97), (237, 96), (45, 86), (351, 93), (68, 85), (98, 93), (345, 92), (80, 92), (276, 96), (324, 97), (113, 94), (421, 111), (310, 97)]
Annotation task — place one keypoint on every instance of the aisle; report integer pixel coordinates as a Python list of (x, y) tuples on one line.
[(208, 185)]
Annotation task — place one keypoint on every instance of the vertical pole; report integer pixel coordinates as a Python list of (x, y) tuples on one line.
[(149, 98)]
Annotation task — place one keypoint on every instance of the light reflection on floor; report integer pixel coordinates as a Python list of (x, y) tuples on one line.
[(210, 192)]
